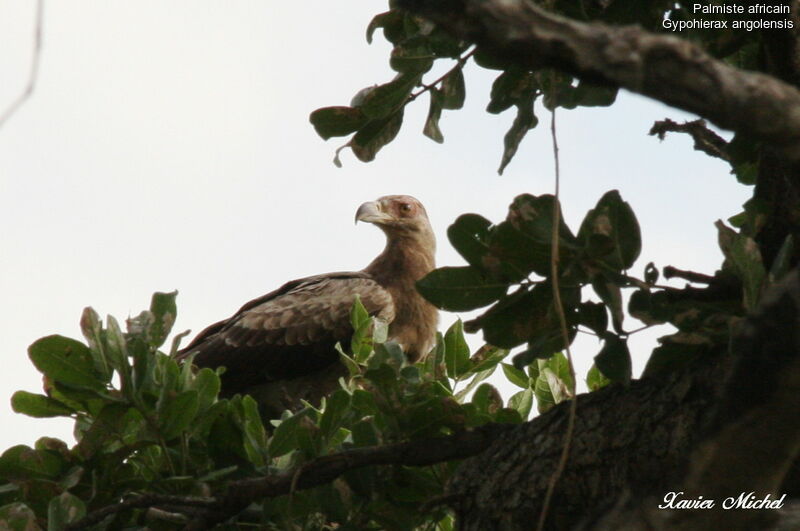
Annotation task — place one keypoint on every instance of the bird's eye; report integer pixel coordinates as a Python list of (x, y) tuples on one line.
[(405, 207)]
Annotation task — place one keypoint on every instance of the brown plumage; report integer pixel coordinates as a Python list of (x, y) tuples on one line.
[(280, 347)]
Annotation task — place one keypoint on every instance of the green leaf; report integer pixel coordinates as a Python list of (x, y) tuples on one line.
[(516, 376), (361, 341), (458, 289), (523, 243), (593, 315), (113, 426), (412, 56), (359, 317), (743, 255), (353, 368), (611, 294), (178, 413), (614, 359), (65, 360), (553, 382), (527, 316), (487, 357), (117, 352), (595, 379), (389, 353), (755, 215), (18, 517), (513, 255), (613, 218), (392, 24), (549, 390), (165, 311), (473, 383), (336, 407), (411, 375), (453, 90), (374, 135), (284, 439), (23, 462), (64, 509), (92, 330), (383, 100), (524, 122), (380, 330), (468, 235), (487, 399), (431, 129), (337, 121), (207, 384), (522, 402), (533, 216), (746, 260), (456, 351), (513, 86), (255, 440), (38, 406)]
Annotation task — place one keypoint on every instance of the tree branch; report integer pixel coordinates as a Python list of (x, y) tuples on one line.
[(725, 425), (691, 276), (668, 69), (240, 494), (705, 139), (753, 433)]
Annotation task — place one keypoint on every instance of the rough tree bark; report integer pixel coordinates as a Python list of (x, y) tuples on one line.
[(725, 425)]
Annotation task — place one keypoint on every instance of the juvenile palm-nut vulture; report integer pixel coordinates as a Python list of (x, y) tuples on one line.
[(280, 347)]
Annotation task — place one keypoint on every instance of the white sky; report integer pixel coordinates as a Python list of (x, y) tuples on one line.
[(167, 146)]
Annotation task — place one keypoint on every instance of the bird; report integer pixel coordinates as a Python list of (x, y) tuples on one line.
[(280, 347)]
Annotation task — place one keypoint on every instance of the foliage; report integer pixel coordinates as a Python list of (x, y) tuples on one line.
[(147, 425), (508, 267)]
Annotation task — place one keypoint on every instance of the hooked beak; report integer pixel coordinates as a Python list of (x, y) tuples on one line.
[(371, 212)]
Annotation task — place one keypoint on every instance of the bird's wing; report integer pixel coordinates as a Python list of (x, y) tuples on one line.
[(289, 332)]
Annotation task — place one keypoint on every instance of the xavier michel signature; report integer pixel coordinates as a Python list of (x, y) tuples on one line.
[(745, 500)]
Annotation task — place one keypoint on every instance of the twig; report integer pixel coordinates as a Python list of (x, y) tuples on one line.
[(691, 276), (562, 318), (34, 70), (138, 502), (705, 139), (426, 87)]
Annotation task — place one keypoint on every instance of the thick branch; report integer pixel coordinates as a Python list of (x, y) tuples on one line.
[(754, 433), (664, 68), (724, 426)]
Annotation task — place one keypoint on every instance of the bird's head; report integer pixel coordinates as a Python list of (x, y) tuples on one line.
[(399, 216)]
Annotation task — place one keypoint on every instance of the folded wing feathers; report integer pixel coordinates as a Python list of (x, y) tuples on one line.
[(313, 311)]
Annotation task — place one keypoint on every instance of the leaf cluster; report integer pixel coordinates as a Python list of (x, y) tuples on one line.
[(375, 115), (148, 425), (509, 271)]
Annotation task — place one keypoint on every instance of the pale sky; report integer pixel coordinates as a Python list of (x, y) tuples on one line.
[(167, 146)]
